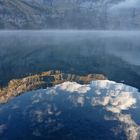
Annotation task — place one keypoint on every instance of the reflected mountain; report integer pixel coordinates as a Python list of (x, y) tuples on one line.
[(99, 110), (46, 79), (111, 53), (74, 108)]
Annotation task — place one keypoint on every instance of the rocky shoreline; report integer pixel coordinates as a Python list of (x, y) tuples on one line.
[(17, 87)]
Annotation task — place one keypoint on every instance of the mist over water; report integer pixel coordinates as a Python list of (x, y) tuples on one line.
[(103, 109), (121, 43), (99, 110), (113, 53)]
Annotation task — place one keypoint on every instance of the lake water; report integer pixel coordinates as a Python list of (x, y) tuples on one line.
[(98, 111), (101, 110), (112, 53)]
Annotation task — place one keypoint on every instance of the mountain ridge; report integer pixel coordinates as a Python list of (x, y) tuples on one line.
[(64, 14)]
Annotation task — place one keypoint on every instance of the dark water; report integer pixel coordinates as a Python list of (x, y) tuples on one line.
[(73, 112), (113, 53), (99, 111)]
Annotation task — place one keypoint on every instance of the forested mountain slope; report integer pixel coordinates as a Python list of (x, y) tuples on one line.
[(69, 14)]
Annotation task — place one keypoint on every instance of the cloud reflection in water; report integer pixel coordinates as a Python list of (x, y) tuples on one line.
[(68, 109)]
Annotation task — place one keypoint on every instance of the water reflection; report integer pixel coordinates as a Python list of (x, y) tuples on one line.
[(112, 53), (100, 110)]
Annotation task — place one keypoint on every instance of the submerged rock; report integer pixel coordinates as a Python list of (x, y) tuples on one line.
[(46, 79)]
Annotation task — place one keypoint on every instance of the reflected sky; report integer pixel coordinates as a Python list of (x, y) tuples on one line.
[(100, 110)]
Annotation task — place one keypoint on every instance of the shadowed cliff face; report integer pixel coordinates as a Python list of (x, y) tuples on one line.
[(114, 54)]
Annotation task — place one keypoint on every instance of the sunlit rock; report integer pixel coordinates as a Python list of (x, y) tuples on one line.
[(44, 80)]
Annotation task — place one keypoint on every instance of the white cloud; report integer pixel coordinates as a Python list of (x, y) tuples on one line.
[(110, 96), (36, 132), (115, 103), (3, 127), (131, 128), (73, 87), (127, 4), (81, 101), (113, 97)]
